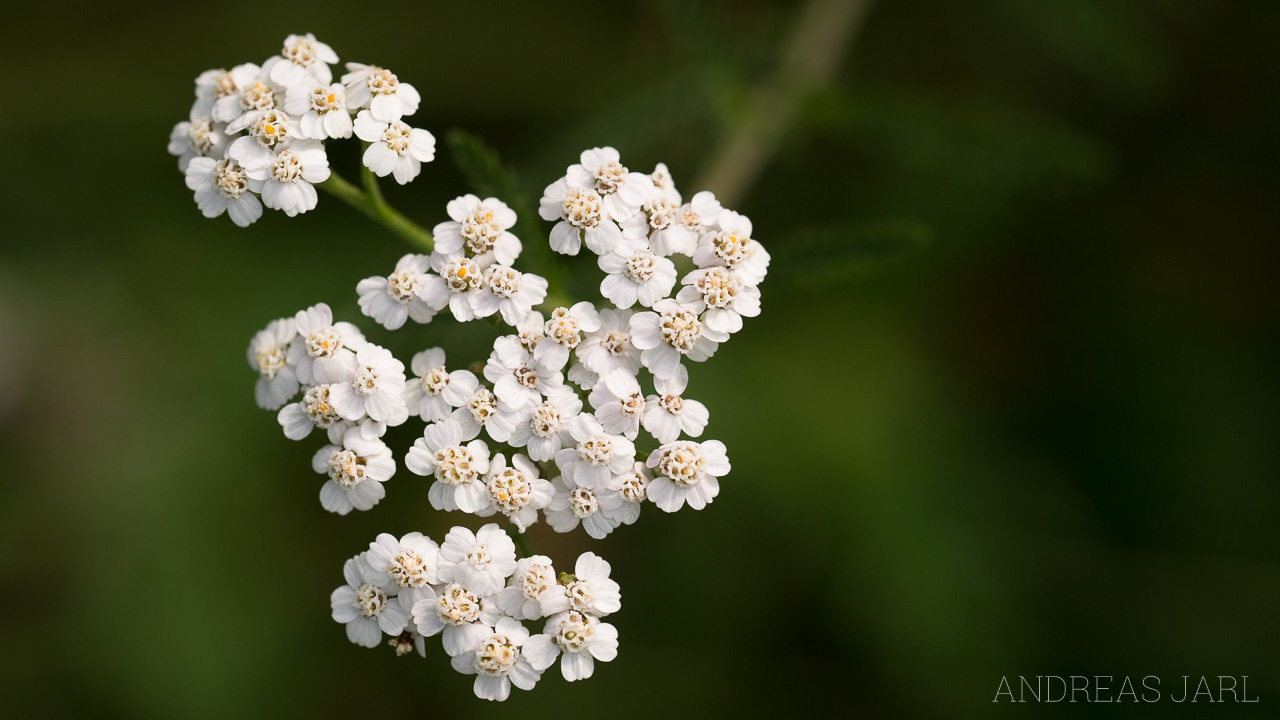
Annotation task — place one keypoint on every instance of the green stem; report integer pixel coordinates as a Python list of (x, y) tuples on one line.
[(822, 36), (373, 205), (522, 541)]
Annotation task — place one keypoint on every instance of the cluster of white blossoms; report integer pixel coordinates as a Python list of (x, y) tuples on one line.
[(560, 403), (256, 134), (578, 416), (473, 592)]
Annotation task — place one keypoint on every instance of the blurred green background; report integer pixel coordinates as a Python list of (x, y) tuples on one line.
[(1011, 408)]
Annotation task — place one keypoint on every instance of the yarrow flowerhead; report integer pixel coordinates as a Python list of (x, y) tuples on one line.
[(596, 454), (732, 246), (674, 228), (582, 639), (509, 291), (314, 410), (516, 491), (397, 297), (324, 351), (435, 392), (671, 332), (388, 99), (356, 471), (619, 403), (632, 487), (543, 427), (255, 134), (303, 59), (473, 594), (722, 296), (595, 508), (518, 379), (394, 148), (200, 136), (516, 444), (482, 411), (497, 662), (254, 94), (480, 562), (533, 576), (481, 228), (562, 333), (411, 564), (636, 273), (687, 472), (601, 170), (374, 388), (223, 186), (460, 616), (610, 347), (456, 284), (321, 110), (668, 413), (591, 590), (366, 608), (269, 355), (287, 176), (582, 218), (458, 469), (222, 87)]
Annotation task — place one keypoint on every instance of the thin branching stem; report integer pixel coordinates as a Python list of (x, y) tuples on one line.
[(820, 40), (372, 204)]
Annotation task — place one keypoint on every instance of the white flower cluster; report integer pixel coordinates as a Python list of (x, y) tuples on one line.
[(473, 592), (574, 461), (259, 130), (562, 402)]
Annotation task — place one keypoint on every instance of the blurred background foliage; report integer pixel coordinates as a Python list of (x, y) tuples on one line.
[(1010, 409)]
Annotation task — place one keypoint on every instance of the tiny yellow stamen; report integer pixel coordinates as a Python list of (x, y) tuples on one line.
[(462, 272), (270, 129), (331, 98)]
